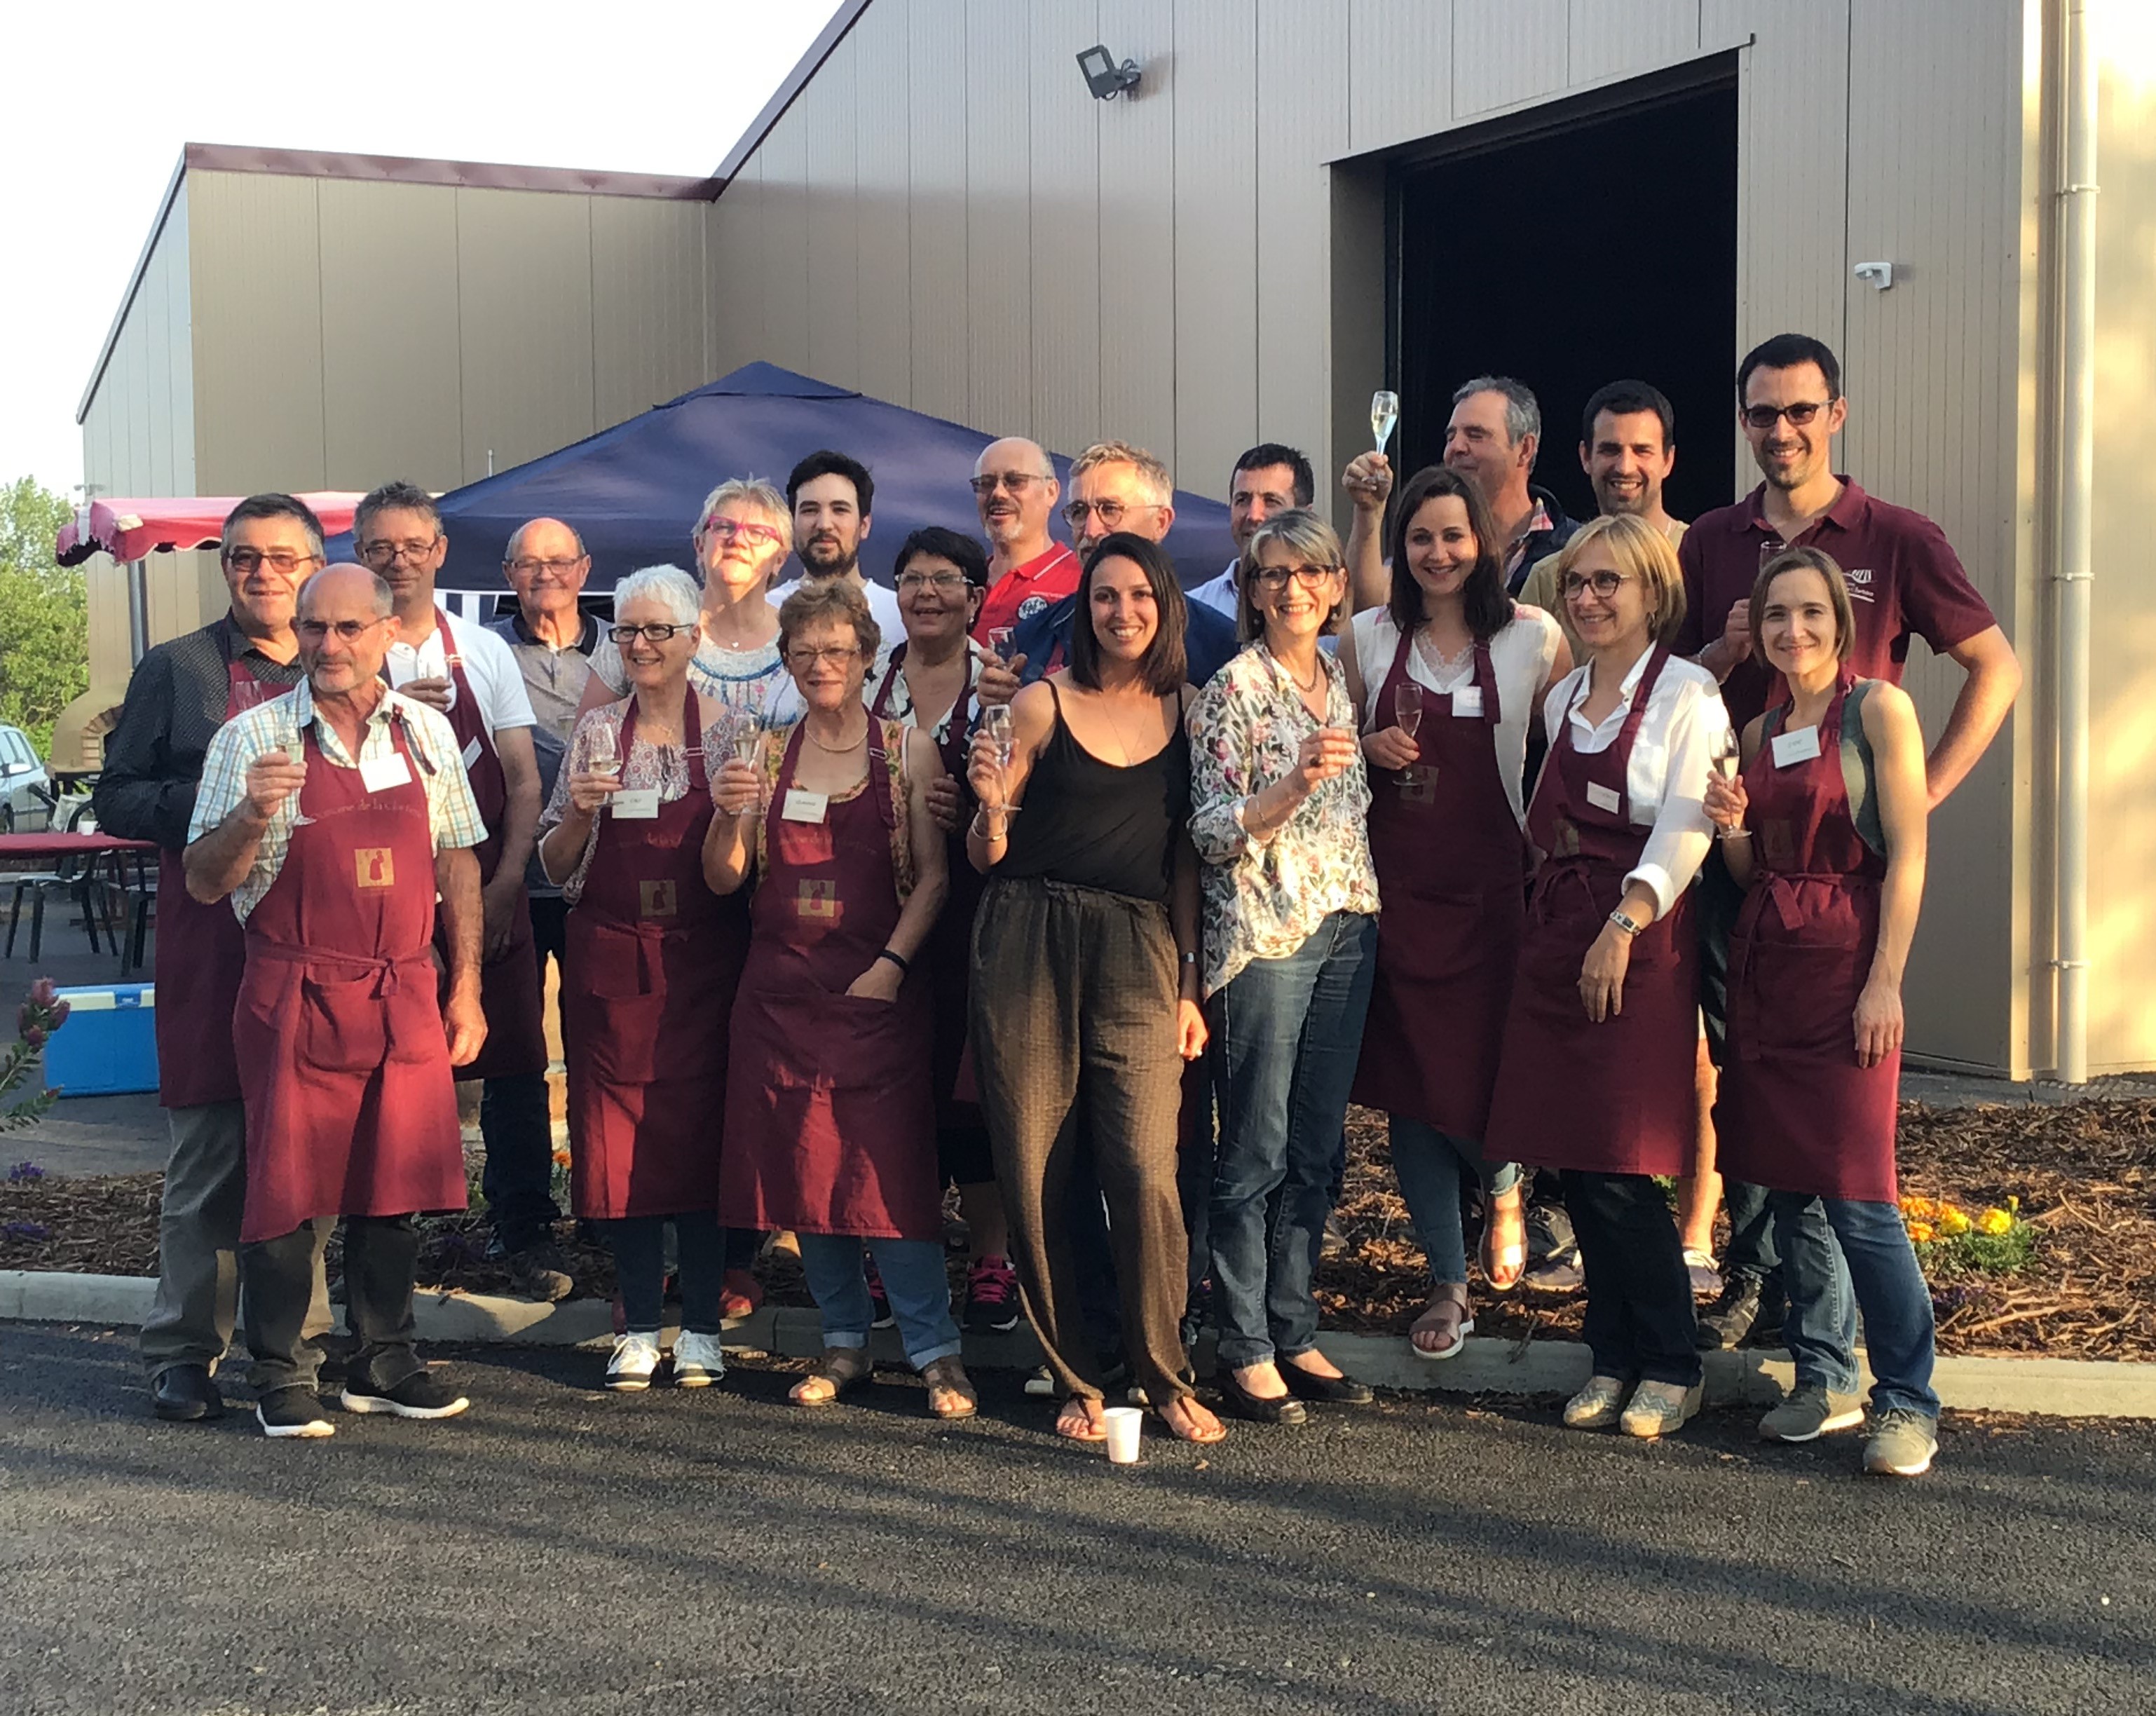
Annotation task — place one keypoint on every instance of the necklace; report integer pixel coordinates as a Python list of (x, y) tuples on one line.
[(1123, 738), (1305, 686), (843, 750)]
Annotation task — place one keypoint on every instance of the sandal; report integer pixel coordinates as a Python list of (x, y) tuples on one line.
[(1441, 1331), (839, 1369), (951, 1393), (1203, 1435), (1079, 1420), (1504, 1264)]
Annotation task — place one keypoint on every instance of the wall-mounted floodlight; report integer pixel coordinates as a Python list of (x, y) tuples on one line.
[(1105, 78), (1878, 275)]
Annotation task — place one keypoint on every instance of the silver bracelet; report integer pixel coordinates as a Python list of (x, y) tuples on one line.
[(983, 831)]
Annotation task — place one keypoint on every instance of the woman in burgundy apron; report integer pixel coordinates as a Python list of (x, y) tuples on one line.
[(1451, 863), (938, 616), (1595, 1076), (652, 959), (830, 1115), (1827, 832)]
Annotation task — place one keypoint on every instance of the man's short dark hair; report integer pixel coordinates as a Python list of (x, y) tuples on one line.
[(1620, 397), (1787, 352), (961, 550), (1266, 454), (274, 505), (826, 463), (399, 496)]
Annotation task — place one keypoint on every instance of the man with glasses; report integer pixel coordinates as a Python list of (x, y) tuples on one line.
[(1904, 579), (332, 820), (832, 496), (1269, 478), (181, 694), (466, 672), (1015, 492)]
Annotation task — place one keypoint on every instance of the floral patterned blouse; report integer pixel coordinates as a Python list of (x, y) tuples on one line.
[(896, 782), (1263, 899), (666, 767)]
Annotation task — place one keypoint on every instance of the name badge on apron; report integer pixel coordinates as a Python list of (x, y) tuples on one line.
[(471, 753), (1602, 799), (1798, 747), (804, 806), (377, 774), (636, 804), (1467, 703)]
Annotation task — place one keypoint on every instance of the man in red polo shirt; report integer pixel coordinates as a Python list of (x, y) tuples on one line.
[(1015, 490), (1904, 580)]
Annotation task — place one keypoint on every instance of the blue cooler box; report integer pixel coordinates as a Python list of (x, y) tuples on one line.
[(109, 1043)]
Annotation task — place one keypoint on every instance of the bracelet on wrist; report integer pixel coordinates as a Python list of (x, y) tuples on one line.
[(904, 966), (982, 828)]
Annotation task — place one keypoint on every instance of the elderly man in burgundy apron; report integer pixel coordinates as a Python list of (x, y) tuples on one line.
[(181, 693), (468, 674), (332, 818)]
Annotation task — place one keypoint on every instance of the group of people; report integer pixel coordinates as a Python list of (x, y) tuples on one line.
[(1588, 854)]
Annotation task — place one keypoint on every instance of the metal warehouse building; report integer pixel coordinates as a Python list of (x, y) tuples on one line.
[(1302, 200)]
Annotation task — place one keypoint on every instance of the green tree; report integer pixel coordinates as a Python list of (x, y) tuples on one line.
[(45, 615)]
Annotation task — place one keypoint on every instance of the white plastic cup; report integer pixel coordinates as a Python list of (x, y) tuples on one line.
[(1125, 1424)]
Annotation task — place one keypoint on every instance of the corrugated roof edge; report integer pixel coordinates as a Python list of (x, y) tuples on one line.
[(805, 68)]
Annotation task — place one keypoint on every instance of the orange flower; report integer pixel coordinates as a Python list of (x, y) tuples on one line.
[(1921, 1233), (1919, 1208)]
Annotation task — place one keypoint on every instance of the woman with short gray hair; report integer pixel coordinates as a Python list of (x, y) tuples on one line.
[(652, 960)]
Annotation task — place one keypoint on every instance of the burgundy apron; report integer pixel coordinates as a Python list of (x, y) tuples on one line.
[(352, 1109), (830, 1123), (651, 960), (1616, 1098), (1796, 1112), (948, 951), (201, 952), (1450, 865), (511, 992)]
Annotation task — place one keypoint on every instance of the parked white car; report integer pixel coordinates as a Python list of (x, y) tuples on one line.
[(27, 795)]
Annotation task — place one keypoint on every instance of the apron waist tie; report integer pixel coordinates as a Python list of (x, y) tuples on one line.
[(384, 968)]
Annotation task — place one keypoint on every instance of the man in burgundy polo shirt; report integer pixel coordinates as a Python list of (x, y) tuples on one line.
[(1015, 490), (1904, 580)]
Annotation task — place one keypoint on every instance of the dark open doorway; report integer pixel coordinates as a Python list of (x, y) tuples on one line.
[(1599, 244)]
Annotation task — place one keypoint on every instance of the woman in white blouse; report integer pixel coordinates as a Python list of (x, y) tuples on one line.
[(1447, 675), (1596, 1077), (1278, 798)]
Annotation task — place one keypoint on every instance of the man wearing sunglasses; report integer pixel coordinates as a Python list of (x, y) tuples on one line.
[(1904, 579), (1015, 492), (181, 694), (467, 673)]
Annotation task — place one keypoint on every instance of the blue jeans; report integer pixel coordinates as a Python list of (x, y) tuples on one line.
[(1881, 1278), (1431, 1166), (913, 1280), (1288, 1032)]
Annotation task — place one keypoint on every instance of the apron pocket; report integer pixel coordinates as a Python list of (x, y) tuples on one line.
[(343, 1025), (622, 1037)]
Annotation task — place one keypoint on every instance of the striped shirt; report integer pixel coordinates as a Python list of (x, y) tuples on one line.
[(452, 814)]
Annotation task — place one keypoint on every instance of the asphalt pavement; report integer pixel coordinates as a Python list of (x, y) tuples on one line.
[(558, 1549)]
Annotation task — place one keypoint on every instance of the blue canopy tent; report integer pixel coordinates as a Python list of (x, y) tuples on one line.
[(633, 490)]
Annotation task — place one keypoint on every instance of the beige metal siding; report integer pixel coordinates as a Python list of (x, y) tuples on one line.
[(781, 242), (998, 92), (524, 303), (833, 196), (733, 271), (883, 268), (1067, 226), (937, 238), (1399, 61), (1137, 234), (648, 319), (1502, 56), (1616, 37)]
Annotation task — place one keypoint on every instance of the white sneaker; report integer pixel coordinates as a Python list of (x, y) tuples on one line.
[(636, 1357), (1657, 1408), (1596, 1406), (698, 1361)]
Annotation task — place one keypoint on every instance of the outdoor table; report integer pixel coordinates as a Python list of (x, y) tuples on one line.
[(94, 849)]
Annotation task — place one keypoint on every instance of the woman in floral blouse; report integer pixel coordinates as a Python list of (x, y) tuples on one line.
[(1278, 802)]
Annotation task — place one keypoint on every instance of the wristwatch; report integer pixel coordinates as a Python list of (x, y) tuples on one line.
[(1631, 926)]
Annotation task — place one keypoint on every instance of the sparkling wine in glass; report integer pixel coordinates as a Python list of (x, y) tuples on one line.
[(1727, 755), (1407, 706), (1003, 639), (996, 723), (1384, 415), (747, 743), (604, 756)]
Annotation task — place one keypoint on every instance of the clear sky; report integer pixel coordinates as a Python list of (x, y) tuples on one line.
[(100, 95)]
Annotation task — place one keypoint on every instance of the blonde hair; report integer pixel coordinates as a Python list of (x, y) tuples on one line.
[(839, 599), (1304, 534), (1152, 474), (1642, 552), (758, 493)]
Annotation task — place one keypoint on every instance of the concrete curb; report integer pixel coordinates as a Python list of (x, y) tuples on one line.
[(2060, 1388)]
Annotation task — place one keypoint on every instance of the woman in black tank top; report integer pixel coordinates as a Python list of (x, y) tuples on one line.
[(1085, 973)]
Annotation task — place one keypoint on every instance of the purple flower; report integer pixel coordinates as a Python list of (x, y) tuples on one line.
[(24, 1172)]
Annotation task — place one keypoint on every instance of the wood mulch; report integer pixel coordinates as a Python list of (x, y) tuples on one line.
[(2084, 1173)]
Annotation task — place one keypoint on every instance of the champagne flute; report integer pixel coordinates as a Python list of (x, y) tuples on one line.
[(1384, 414), (1725, 756), (1407, 706), (297, 750), (1003, 639), (996, 723), (604, 755)]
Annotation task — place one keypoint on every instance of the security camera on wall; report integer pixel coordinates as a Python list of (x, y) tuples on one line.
[(1105, 78)]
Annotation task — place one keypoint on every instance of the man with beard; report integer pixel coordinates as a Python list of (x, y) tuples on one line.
[(832, 496), (1269, 478), (1015, 492)]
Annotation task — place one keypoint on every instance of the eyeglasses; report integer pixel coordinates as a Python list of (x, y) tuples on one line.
[(1110, 512), (350, 631), (379, 555), (1604, 585), (1276, 578), (832, 655), (726, 530), (1762, 417), (653, 634), (532, 569), (943, 584), (1017, 481), (246, 562)]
